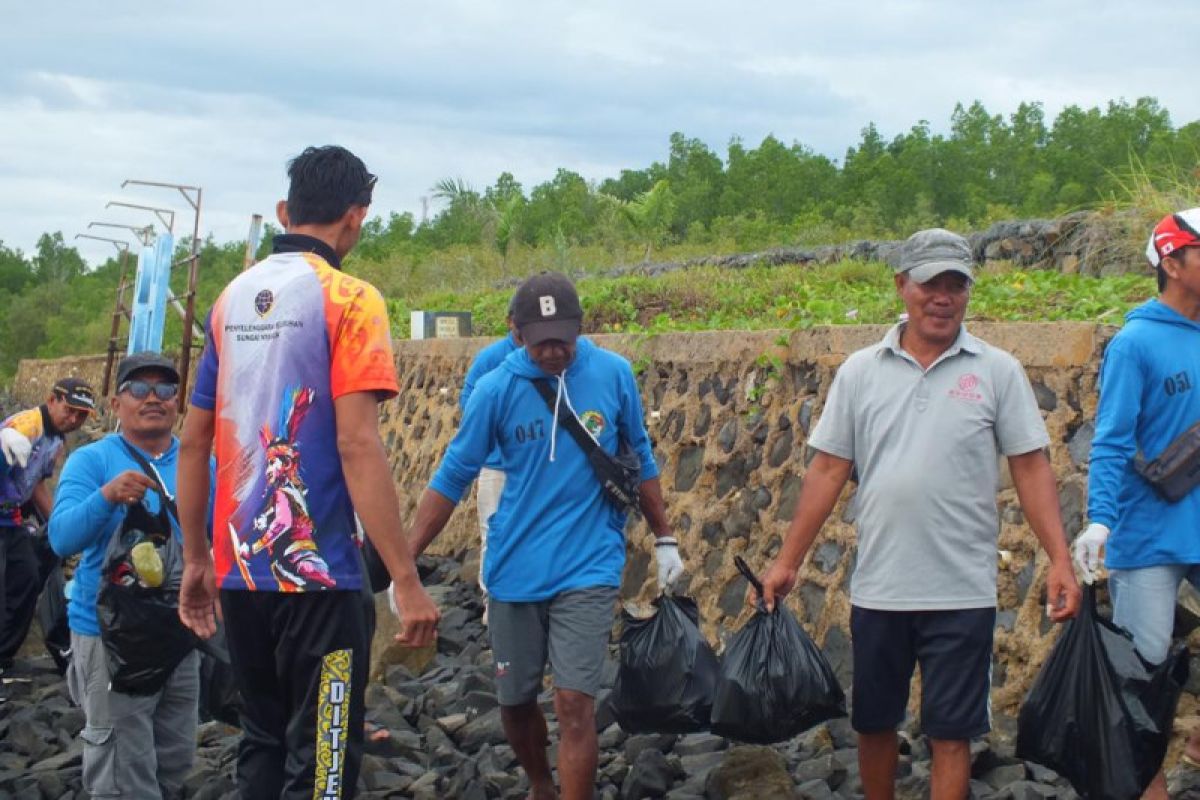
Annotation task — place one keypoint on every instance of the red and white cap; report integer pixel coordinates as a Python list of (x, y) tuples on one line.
[(1173, 232)]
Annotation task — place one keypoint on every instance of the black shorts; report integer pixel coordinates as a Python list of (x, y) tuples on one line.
[(954, 651)]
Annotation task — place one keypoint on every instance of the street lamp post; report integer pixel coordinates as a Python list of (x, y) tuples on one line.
[(165, 215)]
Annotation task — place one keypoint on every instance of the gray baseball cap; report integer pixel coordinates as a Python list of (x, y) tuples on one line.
[(928, 253)]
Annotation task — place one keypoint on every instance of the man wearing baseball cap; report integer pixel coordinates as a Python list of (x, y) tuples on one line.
[(31, 442), (924, 416), (133, 745), (556, 543), (1149, 396)]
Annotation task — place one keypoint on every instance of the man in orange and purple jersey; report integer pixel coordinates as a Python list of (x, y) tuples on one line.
[(297, 358)]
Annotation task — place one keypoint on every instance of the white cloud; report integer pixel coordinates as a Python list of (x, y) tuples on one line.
[(220, 94)]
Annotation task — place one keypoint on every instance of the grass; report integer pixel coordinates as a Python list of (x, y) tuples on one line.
[(765, 297)]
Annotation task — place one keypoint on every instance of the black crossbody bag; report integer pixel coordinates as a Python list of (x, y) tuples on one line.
[(144, 639), (619, 475), (1177, 469)]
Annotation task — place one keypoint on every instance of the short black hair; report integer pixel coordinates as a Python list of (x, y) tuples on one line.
[(325, 183)]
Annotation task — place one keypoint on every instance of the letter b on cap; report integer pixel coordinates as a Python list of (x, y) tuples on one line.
[(548, 307)]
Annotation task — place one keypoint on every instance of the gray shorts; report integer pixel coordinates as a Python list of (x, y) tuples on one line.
[(571, 630)]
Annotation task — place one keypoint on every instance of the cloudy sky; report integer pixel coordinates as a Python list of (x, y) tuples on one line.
[(219, 94)]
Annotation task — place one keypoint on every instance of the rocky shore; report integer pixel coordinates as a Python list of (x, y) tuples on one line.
[(438, 735)]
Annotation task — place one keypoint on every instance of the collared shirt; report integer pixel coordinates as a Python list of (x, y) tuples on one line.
[(926, 444), (17, 483), (285, 339), (302, 243)]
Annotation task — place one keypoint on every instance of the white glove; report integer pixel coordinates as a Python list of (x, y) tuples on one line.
[(670, 565), (1086, 550), (392, 599), (15, 446)]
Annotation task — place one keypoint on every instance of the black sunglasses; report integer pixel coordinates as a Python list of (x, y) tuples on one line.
[(364, 196), (140, 390)]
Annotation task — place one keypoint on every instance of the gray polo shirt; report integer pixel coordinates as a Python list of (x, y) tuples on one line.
[(926, 444)]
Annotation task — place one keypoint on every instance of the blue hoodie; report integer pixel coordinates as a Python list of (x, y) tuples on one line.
[(1149, 395), (83, 521), (554, 529), (485, 361)]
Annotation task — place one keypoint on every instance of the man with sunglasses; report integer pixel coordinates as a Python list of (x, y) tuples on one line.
[(32, 445), (133, 746), (297, 359), (1149, 396)]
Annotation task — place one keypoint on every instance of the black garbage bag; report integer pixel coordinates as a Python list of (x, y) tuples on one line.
[(775, 682), (1098, 714), (144, 640), (667, 671), (51, 608), (47, 559), (51, 614), (219, 696)]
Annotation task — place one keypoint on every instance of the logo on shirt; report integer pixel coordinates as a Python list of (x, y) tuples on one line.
[(263, 302), (967, 388), (593, 421), (333, 719)]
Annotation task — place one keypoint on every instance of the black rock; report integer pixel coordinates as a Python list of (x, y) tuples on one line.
[(688, 468), (650, 776), (826, 768), (698, 743), (999, 777), (659, 742), (484, 729), (1080, 445), (727, 437)]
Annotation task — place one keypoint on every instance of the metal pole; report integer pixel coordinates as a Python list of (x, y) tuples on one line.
[(252, 241), (189, 316), (116, 324), (169, 222), (144, 235)]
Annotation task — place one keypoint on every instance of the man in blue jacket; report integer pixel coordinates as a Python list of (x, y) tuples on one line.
[(133, 746), (556, 544), (1149, 395), (491, 478)]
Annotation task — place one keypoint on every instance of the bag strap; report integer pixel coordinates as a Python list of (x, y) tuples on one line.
[(568, 420), (749, 575), (149, 469)]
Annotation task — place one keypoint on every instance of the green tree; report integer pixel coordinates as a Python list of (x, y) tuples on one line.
[(54, 261), (650, 215), (15, 272)]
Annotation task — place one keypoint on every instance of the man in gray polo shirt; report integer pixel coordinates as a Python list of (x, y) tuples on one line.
[(924, 416)]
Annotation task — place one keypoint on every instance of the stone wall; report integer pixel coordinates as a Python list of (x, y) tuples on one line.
[(729, 413)]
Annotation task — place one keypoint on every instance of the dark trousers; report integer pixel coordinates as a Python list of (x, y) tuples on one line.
[(300, 661), (19, 586)]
